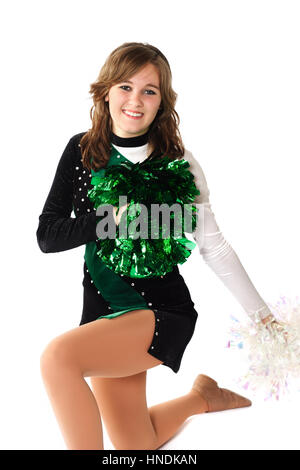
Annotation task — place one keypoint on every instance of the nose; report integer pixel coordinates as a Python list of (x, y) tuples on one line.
[(135, 99)]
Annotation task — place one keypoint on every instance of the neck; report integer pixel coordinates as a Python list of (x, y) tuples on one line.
[(136, 141)]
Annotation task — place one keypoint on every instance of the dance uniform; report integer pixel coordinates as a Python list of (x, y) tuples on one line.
[(108, 294)]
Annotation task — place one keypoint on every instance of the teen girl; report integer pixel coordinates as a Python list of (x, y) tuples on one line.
[(147, 315)]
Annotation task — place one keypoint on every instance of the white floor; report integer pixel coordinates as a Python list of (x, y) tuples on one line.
[(259, 427), (263, 426)]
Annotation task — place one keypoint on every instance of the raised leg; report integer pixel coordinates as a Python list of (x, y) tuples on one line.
[(107, 348)]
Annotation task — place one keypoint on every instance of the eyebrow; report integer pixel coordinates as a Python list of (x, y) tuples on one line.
[(148, 84)]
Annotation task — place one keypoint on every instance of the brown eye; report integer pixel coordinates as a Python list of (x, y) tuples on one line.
[(127, 86)]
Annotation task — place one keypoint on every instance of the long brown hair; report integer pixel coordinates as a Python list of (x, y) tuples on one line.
[(121, 64)]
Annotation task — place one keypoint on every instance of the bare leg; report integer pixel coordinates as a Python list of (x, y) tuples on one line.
[(167, 417), (108, 348), (123, 407), (75, 407)]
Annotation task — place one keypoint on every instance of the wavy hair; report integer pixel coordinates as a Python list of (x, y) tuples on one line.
[(123, 62)]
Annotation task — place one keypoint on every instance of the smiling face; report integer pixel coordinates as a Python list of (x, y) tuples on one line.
[(140, 95)]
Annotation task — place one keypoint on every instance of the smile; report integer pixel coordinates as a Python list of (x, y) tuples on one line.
[(132, 115)]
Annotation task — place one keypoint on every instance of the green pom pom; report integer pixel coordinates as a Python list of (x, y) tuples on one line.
[(153, 181)]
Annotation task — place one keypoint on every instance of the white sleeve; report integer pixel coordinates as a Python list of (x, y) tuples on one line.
[(217, 252)]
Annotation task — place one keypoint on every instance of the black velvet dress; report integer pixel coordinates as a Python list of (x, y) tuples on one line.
[(107, 294)]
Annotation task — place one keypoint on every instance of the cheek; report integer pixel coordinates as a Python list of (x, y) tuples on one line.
[(116, 110), (153, 106), (158, 103), (116, 101)]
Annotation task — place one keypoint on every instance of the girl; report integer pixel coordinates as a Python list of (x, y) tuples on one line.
[(147, 314)]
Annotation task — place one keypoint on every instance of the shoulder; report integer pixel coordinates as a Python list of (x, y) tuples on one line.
[(75, 139), (72, 152), (199, 176), (194, 163), (71, 156)]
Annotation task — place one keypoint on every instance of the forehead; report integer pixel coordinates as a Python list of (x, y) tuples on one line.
[(148, 75)]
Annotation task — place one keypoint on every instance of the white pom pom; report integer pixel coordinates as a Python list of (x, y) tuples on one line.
[(271, 356)]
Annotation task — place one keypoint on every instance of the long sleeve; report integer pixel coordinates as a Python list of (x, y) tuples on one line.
[(57, 230), (218, 253)]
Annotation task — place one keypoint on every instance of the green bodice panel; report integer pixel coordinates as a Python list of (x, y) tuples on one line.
[(121, 297)]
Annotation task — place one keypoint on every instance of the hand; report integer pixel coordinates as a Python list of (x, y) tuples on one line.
[(275, 326), (121, 210)]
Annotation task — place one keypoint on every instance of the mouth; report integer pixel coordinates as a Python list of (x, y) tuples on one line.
[(132, 114)]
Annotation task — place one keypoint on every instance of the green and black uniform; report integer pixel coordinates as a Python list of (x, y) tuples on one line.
[(107, 293)]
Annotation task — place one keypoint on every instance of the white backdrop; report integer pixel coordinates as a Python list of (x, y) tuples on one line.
[(235, 68)]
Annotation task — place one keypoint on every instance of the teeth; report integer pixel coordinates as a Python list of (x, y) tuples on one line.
[(132, 114)]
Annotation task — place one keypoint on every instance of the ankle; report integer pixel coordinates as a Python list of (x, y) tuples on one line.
[(201, 404)]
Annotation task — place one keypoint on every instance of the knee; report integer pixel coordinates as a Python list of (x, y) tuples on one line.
[(55, 357), (140, 444)]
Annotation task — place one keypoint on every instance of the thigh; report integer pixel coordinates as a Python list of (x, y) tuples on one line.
[(115, 347), (123, 406)]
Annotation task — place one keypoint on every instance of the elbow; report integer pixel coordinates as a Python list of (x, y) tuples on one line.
[(43, 245), (42, 242), (216, 248)]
